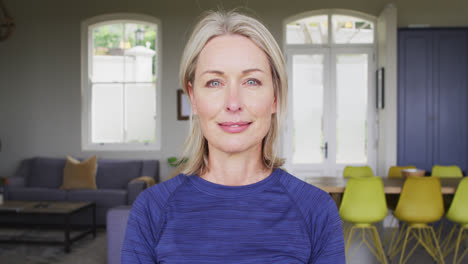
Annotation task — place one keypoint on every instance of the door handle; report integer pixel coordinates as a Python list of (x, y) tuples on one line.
[(325, 150)]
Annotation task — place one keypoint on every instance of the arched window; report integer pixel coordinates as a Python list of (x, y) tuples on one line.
[(345, 29), (120, 83)]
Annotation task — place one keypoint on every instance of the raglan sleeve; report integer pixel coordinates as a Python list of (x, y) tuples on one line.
[(142, 232), (328, 245)]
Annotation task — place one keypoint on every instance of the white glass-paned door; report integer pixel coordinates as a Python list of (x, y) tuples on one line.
[(307, 79), (351, 108), (332, 121)]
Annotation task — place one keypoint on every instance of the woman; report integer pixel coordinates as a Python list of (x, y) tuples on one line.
[(232, 203)]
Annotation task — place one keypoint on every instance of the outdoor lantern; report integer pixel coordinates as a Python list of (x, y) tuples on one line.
[(7, 22), (139, 36)]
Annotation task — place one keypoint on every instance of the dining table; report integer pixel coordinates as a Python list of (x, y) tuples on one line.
[(335, 186)]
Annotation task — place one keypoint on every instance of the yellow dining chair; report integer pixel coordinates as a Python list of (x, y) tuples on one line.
[(458, 213), (395, 171), (420, 203), (446, 171), (357, 171), (364, 204)]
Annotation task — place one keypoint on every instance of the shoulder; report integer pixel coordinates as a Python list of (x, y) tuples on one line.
[(158, 194), (303, 193), (316, 206), (146, 219), (321, 218), (166, 187)]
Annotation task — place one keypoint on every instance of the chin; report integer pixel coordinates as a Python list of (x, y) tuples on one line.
[(235, 146), (235, 143)]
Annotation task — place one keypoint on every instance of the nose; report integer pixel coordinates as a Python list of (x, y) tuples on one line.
[(233, 99)]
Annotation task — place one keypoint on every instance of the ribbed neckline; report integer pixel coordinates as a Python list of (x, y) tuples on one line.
[(233, 191)]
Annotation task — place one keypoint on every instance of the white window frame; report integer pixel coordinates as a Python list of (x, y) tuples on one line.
[(86, 53), (300, 170), (329, 13)]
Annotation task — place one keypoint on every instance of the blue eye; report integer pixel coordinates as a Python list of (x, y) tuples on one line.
[(213, 83), (253, 82)]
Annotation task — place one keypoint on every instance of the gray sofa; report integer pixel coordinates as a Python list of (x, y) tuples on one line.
[(39, 179)]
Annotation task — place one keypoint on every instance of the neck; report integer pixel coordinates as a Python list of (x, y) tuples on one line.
[(236, 169)]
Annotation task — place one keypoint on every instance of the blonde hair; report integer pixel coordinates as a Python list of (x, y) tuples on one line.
[(217, 23)]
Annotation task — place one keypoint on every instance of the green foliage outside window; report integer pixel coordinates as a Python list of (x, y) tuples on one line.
[(109, 37), (105, 38)]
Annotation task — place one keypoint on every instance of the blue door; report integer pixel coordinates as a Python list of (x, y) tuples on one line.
[(433, 98)]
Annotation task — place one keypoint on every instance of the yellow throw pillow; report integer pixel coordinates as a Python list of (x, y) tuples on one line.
[(146, 179), (79, 175)]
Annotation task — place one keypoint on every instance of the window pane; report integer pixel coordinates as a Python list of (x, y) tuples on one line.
[(348, 29), (140, 53), (351, 123), (107, 62), (310, 30), (140, 112), (107, 113), (308, 108)]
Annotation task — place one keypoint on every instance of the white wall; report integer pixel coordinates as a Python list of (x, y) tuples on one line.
[(40, 65), (387, 58)]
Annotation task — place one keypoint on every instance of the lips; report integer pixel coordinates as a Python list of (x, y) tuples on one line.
[(234, 127)]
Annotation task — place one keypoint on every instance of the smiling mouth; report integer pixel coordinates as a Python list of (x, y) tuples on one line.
[(234, 127), (235, 124)]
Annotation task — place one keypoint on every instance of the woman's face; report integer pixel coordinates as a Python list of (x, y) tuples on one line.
[(232, 94)]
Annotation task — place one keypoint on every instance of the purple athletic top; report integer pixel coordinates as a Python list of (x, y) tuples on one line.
[(280, 219)]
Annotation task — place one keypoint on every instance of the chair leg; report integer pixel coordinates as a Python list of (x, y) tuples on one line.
[(404, 244), (377, 248), (346, 227), (370, 243), (378, 245), (395, 243), (446, 246), (457, 246), (418, 238), (426, 237), (441, 224), (363, 240), (348, 243), (438, 252)]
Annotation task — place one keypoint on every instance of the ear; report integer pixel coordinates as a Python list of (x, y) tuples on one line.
[(190, 91), (273, 106)]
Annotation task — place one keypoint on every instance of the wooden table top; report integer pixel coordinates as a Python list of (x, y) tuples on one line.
[(391, 185), (39, 207)]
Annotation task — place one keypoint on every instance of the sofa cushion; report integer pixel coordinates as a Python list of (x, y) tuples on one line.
[(103, 197), (36, 194), (46, 173), (116, 174), (79, 175)]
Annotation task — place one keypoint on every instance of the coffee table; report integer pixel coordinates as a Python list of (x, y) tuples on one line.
[(60, 211)]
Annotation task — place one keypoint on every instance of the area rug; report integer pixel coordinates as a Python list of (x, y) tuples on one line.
[(87, 250)]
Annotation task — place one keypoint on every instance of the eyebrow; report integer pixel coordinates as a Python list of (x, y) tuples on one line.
[(222, 73)]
